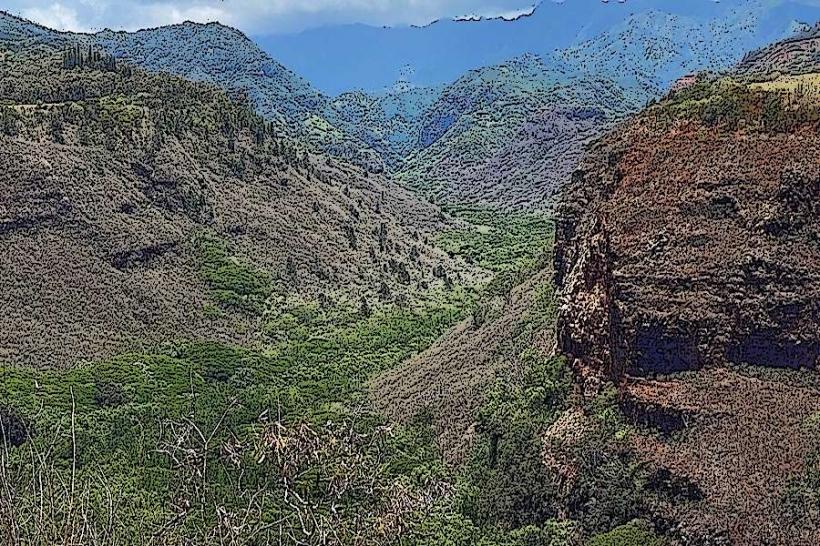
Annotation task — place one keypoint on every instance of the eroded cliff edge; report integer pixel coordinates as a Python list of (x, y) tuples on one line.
[(688, 272), (689, 248)]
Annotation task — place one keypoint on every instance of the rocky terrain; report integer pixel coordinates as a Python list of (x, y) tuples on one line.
[(687, 265)]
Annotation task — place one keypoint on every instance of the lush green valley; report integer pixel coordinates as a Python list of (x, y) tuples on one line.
[(554, 302), (215, 443)]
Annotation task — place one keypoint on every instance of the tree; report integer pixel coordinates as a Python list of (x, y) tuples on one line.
[(364, 308)]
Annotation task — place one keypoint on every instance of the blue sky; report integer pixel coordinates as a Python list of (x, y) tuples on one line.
[(252, 16)]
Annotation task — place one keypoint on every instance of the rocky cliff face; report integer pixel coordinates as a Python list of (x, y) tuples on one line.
[(688, 268), (692, 247)]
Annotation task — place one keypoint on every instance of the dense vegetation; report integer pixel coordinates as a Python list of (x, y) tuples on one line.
[(111, 105), (499, 241), (215, 443), (190, 438), (233, 282), (778, 105)]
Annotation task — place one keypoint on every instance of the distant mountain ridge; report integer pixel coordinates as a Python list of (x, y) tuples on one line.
[(507, 135), (219, 55), (470, 139), (340, 58), (796, 55)]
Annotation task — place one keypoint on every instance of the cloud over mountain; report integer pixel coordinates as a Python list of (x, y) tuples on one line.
[(253, 16)]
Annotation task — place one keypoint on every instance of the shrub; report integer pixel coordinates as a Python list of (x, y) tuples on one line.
[(507, 483), (14, 428), (234, 282), (109, 394), (636, 533)]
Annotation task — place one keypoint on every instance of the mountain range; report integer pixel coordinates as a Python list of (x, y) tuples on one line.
[(426, 127), (341, 58), (566, 295)]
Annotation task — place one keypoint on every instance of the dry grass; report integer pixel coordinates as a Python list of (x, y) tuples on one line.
[(805, 84), (745, 439)]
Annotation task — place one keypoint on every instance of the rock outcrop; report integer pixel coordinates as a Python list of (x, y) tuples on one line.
[(688, 268), (689, 248)]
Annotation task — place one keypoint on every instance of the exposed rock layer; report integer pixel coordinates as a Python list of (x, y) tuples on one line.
[(688, 270), (692, 248)]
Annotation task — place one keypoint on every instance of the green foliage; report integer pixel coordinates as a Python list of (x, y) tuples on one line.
[(637, 533), (130, 410), (609, 490), (234, 282), (725, 102), (14, 428), (506, 483), (77, 57), (445, 526), (109, 393), (506, 243), (98, 102)]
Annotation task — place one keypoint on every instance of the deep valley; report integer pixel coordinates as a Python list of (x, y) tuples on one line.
[(568, 297)]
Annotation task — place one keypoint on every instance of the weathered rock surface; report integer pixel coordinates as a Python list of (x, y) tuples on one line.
[(692, 248), (688, 268)]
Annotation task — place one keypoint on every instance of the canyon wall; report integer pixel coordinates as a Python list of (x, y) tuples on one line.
[(686, 246)]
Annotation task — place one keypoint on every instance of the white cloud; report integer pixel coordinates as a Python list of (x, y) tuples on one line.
[(252, 16), (509, 15), (155, 15), (56, 16)]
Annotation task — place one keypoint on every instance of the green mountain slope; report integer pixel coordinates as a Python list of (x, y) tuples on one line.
[(222, 56), (180, 212), (507, 135)]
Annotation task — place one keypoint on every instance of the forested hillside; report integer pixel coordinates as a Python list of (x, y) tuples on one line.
[(506, 135), (182, 211), (191, 303)]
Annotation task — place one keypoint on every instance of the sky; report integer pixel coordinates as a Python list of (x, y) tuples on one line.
[(252, 16)]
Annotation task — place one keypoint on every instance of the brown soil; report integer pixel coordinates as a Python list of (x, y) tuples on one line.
[(744, 438)]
